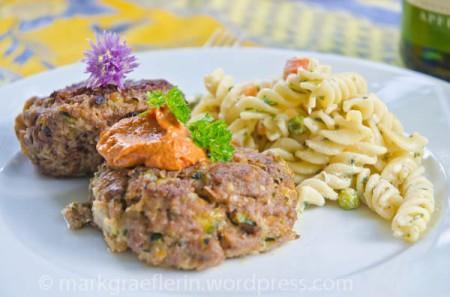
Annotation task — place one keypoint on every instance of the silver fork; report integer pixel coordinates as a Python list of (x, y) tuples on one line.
[(222, 38)]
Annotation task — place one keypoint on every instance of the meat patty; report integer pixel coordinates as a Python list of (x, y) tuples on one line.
[(197, 217), (59, 132)]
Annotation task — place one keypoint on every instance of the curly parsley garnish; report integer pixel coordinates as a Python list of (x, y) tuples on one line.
[(174, 100), (213, 136), (296, 125), (156, 99)]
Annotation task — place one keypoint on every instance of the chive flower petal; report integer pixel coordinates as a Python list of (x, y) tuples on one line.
[(108, 61)]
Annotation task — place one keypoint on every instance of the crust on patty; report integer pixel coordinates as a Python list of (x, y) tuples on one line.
[(197, 217), (59, 132)]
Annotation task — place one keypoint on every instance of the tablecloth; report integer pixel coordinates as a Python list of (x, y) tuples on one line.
[(38, 35)]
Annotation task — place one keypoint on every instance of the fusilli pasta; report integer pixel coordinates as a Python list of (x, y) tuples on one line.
[(415, 212), (333, 134)]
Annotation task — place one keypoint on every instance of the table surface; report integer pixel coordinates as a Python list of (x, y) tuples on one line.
[(36, 36)]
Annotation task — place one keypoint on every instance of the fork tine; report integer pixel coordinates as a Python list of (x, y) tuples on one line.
[(222, 38), (212, 39), (232, 41), (229, 39), (236, 43)]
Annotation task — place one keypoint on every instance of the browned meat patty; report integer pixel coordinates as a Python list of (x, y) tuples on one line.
[(59, 133), (78, 214), (197, 217)]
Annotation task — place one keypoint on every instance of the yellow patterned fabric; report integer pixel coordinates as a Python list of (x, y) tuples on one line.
[(40, 35)]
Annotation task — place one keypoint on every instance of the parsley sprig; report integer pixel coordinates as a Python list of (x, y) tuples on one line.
[(174, 100), (213, 136), (156, 99)]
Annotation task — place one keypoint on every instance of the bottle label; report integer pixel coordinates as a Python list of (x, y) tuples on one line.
[(427, 23), (436, 6)]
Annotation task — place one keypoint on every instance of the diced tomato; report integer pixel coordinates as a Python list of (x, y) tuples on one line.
[(293, 64), (250, 90)]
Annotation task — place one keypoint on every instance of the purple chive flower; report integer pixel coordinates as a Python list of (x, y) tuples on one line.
[(109, 61)]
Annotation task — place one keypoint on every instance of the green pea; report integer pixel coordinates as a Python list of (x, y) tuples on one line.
[(348, 199), (296, 126)]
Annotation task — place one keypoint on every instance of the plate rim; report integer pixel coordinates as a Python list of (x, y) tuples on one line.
[(319, 55)]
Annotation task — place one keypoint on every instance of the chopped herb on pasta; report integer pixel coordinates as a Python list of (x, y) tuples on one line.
[(334, 134)]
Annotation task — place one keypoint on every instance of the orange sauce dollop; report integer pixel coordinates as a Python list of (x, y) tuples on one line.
[(156, 140)]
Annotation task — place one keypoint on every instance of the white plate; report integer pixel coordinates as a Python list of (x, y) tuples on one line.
[(339, 252)]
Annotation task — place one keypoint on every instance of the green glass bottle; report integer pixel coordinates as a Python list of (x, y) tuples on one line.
[(425, 40)]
